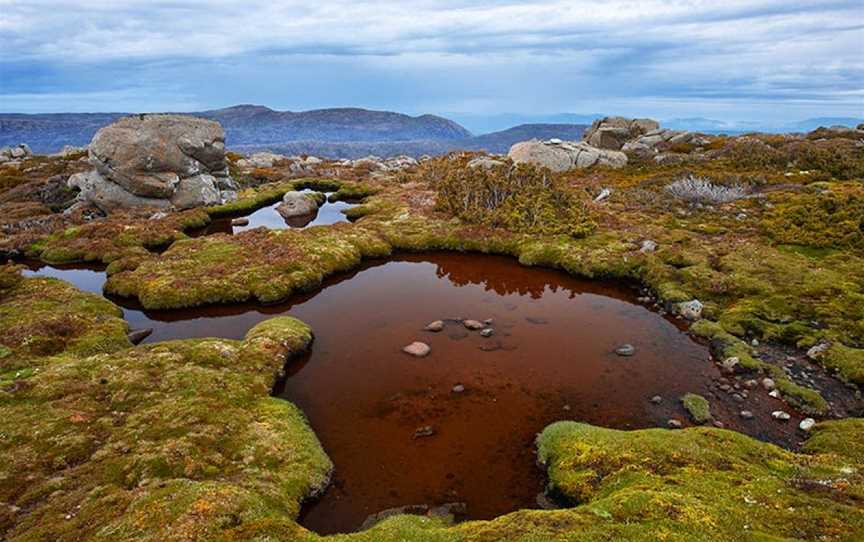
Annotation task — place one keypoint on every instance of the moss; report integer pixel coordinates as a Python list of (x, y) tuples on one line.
[(821, 218), (849, 362), (698, 484), (726, 345), (353, 192), (165, 441), (698, 407), (839, 437), (44, 316)]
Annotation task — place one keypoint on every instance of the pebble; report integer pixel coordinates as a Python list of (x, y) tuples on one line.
[(435, 326), (774, 393), (718, 424), (726, 387), (738, 397), (425, 431), (566, 408), (625, 350), (458, 388), (656, 399), (746, 414), (473, 324), (417, 349), (750, 384), (768, 383), (780, 415), (487, 332), (729, 364), (488, 321), (242, 221), (807, 424), (674, 424)]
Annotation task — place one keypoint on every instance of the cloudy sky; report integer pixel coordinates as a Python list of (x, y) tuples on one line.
[(731, 59)]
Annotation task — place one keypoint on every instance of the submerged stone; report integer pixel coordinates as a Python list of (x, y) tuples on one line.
[(418, 349)]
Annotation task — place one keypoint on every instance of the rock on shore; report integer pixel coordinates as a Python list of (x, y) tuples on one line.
[(159, 161)]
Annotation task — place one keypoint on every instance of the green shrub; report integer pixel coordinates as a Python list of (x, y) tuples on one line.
[(521, 198)]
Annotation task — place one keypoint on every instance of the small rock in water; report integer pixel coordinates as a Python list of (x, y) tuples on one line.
[(435, 326), (674, 424), (473, 324), (656, 399), (780, 415), (746, 414), (425, 431), (768, 384), (487, 332), (625, 350), (807, 424), (242, 221), (138, 335), (417, 349), (458, 388)]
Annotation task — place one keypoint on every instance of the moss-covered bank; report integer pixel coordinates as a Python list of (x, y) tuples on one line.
[(180, 441)]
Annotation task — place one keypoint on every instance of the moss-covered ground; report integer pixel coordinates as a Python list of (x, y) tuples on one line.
[(101, 440), (180, 441)]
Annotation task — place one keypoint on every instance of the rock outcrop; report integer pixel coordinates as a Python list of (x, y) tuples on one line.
[(565, 155), (19, 152), (296, 204), (613, 132), (159, 161)]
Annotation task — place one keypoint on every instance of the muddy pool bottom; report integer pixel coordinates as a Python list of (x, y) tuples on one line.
[(459, 425)]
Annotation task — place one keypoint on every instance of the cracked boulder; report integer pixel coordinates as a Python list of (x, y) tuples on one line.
[(159, 161), (565, 155)]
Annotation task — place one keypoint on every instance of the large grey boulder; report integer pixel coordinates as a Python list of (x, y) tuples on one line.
[(565, 155), (613, 133), (157, 160), (296, 204)]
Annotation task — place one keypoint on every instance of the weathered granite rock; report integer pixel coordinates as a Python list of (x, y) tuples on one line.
[(19, 152), (296, 204), (565, 155), (613, 132), (157, 160)]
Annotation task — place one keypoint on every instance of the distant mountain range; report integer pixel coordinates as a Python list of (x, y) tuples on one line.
[(353, 132), (335, 133), (496, 142)]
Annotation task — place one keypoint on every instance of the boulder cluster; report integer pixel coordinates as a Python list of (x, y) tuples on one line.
[(19, 152), (311, 165), (606, 143), (163, 161)]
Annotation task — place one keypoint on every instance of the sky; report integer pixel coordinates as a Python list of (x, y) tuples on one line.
[(771, 60)]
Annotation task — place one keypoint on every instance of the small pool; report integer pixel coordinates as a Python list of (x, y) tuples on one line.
[(269, 217), (459, 425)]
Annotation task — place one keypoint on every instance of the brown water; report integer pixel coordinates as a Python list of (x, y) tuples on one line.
[(551, 358)]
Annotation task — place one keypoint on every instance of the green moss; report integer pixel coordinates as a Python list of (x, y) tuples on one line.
[(697, 484), (353, 192), (726, 345), (698, 407), (849, 362)]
